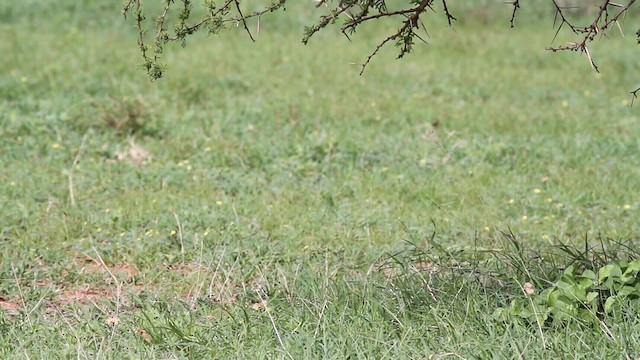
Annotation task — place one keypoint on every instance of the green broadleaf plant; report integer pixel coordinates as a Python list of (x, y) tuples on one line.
[(580, 294)]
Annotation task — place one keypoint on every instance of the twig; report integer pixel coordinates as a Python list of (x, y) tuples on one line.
[(243, 19), (535, 312), (364, 65), (405, 31), (357, 13), (22, 297), (79, 342), (516, 6), (179, 234), (215, 272), (76, 159), (115, 279), (446, 11), (634, 93), (273, 323), (602, 22)]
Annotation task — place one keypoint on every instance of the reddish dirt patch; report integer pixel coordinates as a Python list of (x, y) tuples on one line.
[(125, 269), (10, 307), (110, 284), (67, 293), (122, 271), (86, 296)]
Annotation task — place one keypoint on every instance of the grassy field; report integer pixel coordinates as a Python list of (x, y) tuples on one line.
[(264, 201)]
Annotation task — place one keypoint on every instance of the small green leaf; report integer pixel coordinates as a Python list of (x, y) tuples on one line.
[(569, 270), (608, 271), (589, 274), (609, 303), (630, 274), (584, 282), (623, 264), (633, 267), (591, 297), (627, 290)]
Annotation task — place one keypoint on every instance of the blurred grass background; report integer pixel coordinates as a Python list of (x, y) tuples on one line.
[(279, 154)]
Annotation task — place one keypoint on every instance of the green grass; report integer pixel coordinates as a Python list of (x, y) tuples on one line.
[(279, 174)]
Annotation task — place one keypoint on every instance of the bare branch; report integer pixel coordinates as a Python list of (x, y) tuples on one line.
[(634, 94), (243, 19), (220, 14), (516, 6), (371, 11), (446, 11), (603, 21)]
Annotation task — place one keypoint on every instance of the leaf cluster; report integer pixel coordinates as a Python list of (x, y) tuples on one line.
[(218, 16), (582, 294)]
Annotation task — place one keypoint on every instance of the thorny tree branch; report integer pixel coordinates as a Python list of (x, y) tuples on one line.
[(634, 93), (361, 12), (602, 22), (353, 13), (516, 6), (243, 19), (608, 13), (217, 18)]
